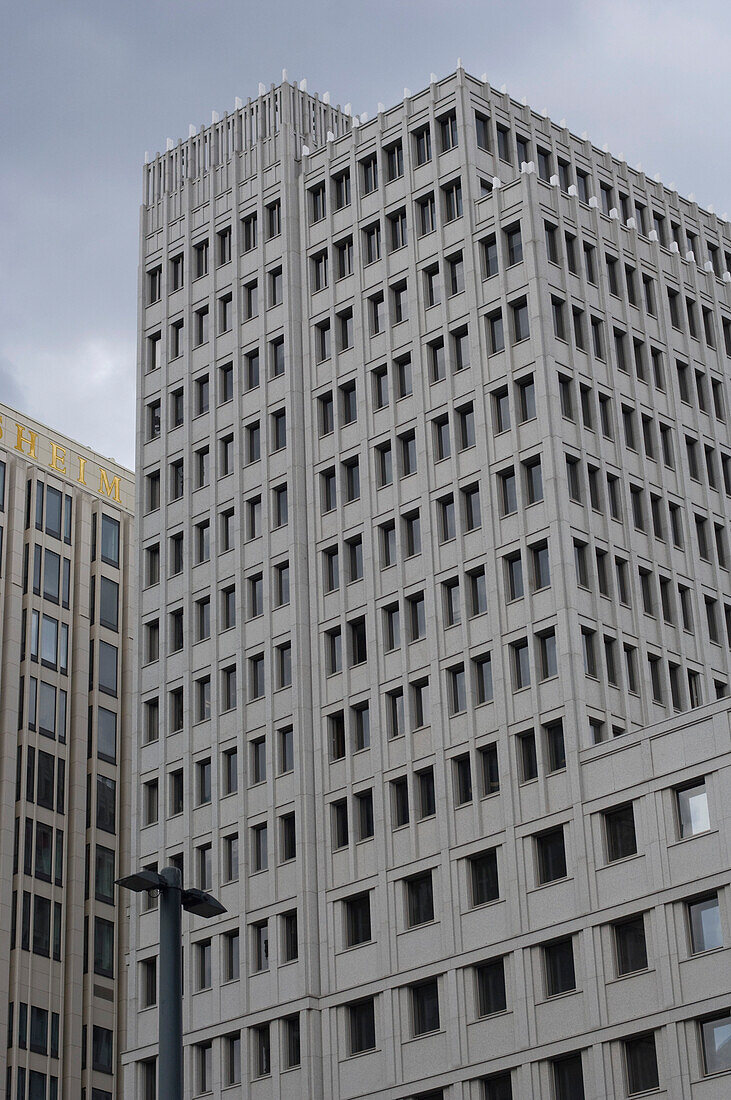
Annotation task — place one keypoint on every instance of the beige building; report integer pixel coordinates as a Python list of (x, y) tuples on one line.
[(65, 690), (433, 482)]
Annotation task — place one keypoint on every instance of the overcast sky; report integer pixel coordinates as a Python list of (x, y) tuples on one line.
[(87, 87)]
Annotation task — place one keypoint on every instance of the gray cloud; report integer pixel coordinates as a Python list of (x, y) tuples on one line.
[(89, 87)]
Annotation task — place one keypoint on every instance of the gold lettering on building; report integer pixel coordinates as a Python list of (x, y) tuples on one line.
[(82, 467), (58, 458), (31, 442), (104, 486), (1, 427)]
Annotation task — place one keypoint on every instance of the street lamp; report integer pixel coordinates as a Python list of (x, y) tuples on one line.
[(173, 899)]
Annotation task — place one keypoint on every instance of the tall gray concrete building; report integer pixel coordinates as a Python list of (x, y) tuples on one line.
[(434, 472), (65, 697)]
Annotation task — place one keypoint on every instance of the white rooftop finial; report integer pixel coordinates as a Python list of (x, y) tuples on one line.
[(191, 130), (605, 148), (330, 136), (584, 135), (363, 117), (710, 209), (433, 78), (147, 157), (639, 166), (284, 76), (262, 88), (356, 121), (504, 89), (459, 62), (562, 123), (483, 78), (671, 186), (544, 112), (305, 150), (691, 196), (168, 144), (524, 101), (326, 97), (214, 116), (348, 109), (381, 108), (407, 93), (621, 156), (238, 103), (303, 85), (656, 177)]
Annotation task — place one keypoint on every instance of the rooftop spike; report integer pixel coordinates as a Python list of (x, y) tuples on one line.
[(262, 88), (214, 116), (238, 103), (433, 78), (459, 62), (284, 76), (504, 89), (326, 97), (168, 144), (303, 85), (191, 130), (407, 93), (381, 108)]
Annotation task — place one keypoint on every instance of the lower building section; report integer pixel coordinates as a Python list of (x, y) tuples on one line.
[(575, 943)]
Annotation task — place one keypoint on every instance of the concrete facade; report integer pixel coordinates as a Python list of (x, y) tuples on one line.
[(433, 481), (65, 696)]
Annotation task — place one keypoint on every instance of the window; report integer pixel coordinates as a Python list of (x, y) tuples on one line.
[(704, 924), (422, 145), (551, 855), (568, 1078), (483, 878), (495, 332), (527, 758), (341, 184), (357, 920), (497, 1086), (262, 1050), (361, 1026), (513, 245), (630, 945), (641, 1063), (715, 1043), (520, 664), (290, 949), (425, 1007), (519, 314), (533, 480), (558, 960), (482, 679), (452, 198), (692, 809), (619, 830), (419, 900), (259, 848)]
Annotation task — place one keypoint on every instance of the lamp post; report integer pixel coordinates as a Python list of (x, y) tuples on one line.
[(173, 899)]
